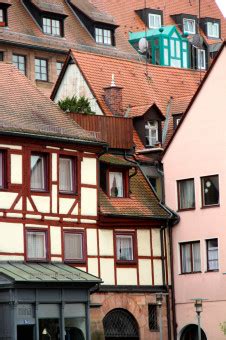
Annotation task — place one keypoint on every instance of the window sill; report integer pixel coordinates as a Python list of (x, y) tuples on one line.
[(126, 262), (39, 193), (37, 260), (210, 206), (212, 271), (77, 262), (68, 194), (190, 273), (187, 209)]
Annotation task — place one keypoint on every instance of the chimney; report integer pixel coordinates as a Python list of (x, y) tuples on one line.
[(113, 98)]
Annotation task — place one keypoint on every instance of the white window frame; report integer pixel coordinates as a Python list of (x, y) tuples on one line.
[(103, 36), (20, 62), (211, 26), (42, 233), (51, 26), (157, 19), (41, 69), (149, 128), (186, 20), (201, 59), (125, 236)]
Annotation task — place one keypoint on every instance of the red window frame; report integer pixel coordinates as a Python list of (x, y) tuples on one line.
[(46, 172), (74, 175), (125, 179), (134, 243), (47, 245), (84, 248)]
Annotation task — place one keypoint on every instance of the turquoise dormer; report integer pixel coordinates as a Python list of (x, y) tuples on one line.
[(164, 46)]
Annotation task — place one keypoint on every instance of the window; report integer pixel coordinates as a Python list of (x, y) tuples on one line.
[(2, 170), (36, 245), (186, 194), (116, 184), (153, 317), (1, 16), (210, 190), (74, 246), (201, 59), (124, 247), (151, 133), (1, 56), (154, 20), (20, 62), (212, 254), (103, 36), (59, 66), (176, 120), (213, 29), (66, 174), (189, 26), (190, 257), (52, 26), (38, 172), (41, 72)]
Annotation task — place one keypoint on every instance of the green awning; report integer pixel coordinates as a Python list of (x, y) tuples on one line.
[(55, 272)]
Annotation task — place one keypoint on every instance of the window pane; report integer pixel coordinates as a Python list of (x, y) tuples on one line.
[(1, 15), (212, 254), (1, 170), (38, 179), (124, 245), (196, 257), (154, 20), (186, 194), (66, 174), (59, 66), (189, 26), (41, 69), (36, 245), (186, 258), (116, 184), (151, 132), (210, 190), (73, 247), (19, 62)]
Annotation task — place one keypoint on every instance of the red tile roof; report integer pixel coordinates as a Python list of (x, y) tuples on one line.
[(25, 109)]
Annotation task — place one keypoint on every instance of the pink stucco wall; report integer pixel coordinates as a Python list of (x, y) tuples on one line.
[(199, 149)]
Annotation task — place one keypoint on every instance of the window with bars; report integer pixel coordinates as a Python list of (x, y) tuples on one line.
[(124, 247), (190, 257), (52, 26), (74, 246), (66, 174), (20, 62), (153, 317), (212, 254), (41, 69), (103, 36), (38, 166), (36, 245)]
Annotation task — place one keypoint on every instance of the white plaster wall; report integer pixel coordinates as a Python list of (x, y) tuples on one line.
[(13, 147), (55, 237), (54, 167), (107, 271), (93, 266), (106, 242), (7, 199), (73, 83), (156, 242), (144, 244), (12, 237), (54, 198), (126, 276), (88, 201), (16, 169), (145, 272), (29, 206), (42, 203), (158, 272), (65, 204), (18, 206), (91, 241), (11, 258), (88, 171)]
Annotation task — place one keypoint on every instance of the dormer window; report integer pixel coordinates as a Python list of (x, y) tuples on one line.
[(201, 59), (103, 36), (51, 26), (189, 26), (3, 15), (154, 21), (116, 184), (151, 132), (213, 29)]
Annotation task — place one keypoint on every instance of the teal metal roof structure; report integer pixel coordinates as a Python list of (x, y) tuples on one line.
[(21, 272), (136, 36)]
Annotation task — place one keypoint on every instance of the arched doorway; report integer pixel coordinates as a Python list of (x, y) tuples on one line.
[(190, 332), (120, 324)]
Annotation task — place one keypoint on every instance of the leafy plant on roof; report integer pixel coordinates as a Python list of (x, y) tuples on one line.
[(77, 105)]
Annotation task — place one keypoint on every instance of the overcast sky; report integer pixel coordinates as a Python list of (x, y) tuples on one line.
[(222, 5)]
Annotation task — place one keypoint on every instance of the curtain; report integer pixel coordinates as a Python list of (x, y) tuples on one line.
[(36, 247), (212, 254), (187, 195), (66, 177), (186, 258), (124, 247), (116, 184), (37, 172), (196, 257), (73, 246)]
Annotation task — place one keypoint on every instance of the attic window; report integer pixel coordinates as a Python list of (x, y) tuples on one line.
[(189, 26), (213, 29), (201, 59), (52, 26), (116, 187), (154, 20), (103, 36), (3, 17), (151, 133)]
